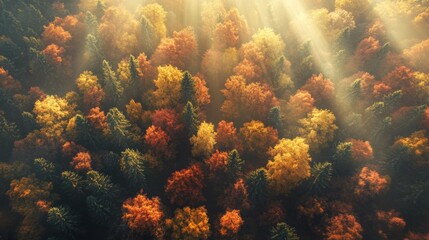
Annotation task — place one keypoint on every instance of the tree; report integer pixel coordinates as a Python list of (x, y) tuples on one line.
[(282, 231), (389, 224), (234, 164), (86, 81), (230, 223), (85, 133), (190, 119), (361, 150), (416, 144), (132, 167), (357, 8), (290, 164), (9, 132), (236, 196), (227, 137), (120, 129), (100, 211), (257, 186), (231, 32), (72, 184), (343, 226), (320, 179), (298, 106), (370, 183), (159, 142), (189, 223), (134, 72), (333, 24), (44, 169), (257, 138), (112, 86), (143, 214), (156, 16), (321, 89), (185, 187), (416, 55), (82, 162), (168, 84), (188, 89), (63, 222), (318, 128), (97, 119), (274, 119), (204, 141), (180, 51), (169, 121), (101, 186), (217, 163)]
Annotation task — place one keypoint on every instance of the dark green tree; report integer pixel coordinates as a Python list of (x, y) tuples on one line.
[(257, 186), (101, 186), (95, 53), (321, 174), (133, 71), (85, 133), (28, 122), (274, 119), (234, 164), (132, 167), (8, 134), (187, 89), (120, 128), (72, 184), (63, 222), (112, 86), (343, 163), (99, 211), (282, 231), (190, 119), (44, 169)]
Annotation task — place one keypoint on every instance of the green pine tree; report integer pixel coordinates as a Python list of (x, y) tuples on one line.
[(132, 167), (257, 186), (112, 86), (321, 174), (282, 231), (188, 89), (190, 118), (234, 164)]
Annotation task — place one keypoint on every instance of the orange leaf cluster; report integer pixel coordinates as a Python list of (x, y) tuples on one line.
[(185, 186), (226, 137), (370, 183), (158, 141), (217, 163), (82, 161), (344, 227), (361, 150), (321, 89), (142, 214), (230, 223)]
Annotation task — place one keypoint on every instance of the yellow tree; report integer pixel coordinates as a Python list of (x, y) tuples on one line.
[(357, 7), (168, 83), (318, 128), (257, 138), (289, 166), (203, 143), (189, 224), (156, 15)]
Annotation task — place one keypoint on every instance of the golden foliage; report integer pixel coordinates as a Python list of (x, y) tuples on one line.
[(289, 166), (168, 86), (230, 223), (189, 224), (203, 143)]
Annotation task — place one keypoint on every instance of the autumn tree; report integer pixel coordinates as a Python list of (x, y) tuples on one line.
[(156, 16), (227, 137), (234, 164), (236, 196), (230, 223), (159, 142), (72, 184), (298, 106), (168, 120), (189, 223), (180, 51), (44, 169), (321, 89), (168, 85), (370, 183), (217, 163), (143, 214), (343, 226), (357, 8), (318, 128), (389, 224), (81, 162), (288, 155), (231, 32), (417, 55), (185, 186), (257, 138), (203, 142)]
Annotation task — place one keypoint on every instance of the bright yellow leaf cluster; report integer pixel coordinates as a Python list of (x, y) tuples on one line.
[(290, 164), (168, 86), (318, 128), (87, 81), (203, 143)]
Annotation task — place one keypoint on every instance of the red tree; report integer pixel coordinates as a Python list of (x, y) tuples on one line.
[(185, 186)]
